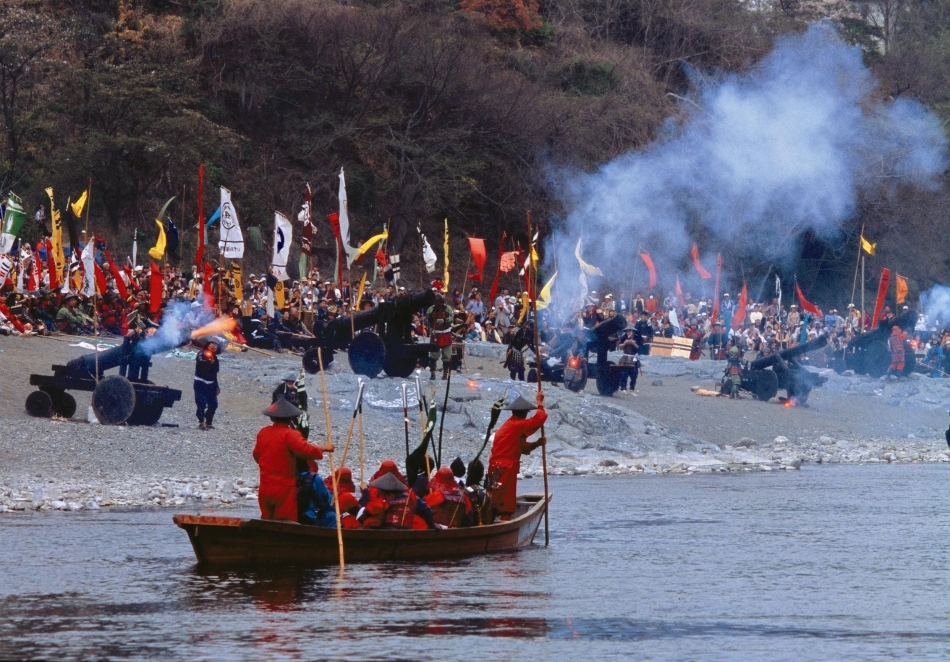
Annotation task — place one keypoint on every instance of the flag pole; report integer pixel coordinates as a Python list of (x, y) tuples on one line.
[(537, 353), (857, 264), (326, 413), (863, 311)]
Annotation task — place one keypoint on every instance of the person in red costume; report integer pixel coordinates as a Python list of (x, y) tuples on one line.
[(390, 504), (450, 506), (278, 448), (344, 480), (511, 442)]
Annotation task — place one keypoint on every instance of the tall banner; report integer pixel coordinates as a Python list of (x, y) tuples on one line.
[(494, 285), (881, 294), (901, 285), (88, 270), (135, 247), (79, 205), (12, 222), (705, 275), (428, 255), (739, 316), (283, 235), (445, 272), (154, 289), (715, 310), (199, 254), (236, 278), (157, 251), (116, 276), (586, 268), (349, 251), (807, 306), (57, 237), (51, 265), (306, 217), (477, 248), (231, 242), (648, 261)]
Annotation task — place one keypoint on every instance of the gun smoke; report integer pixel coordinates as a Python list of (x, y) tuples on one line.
[(760, 159)]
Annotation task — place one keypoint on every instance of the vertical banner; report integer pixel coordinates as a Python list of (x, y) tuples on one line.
[(881, 295), (305, 216), (199, 254), (283, 235), (57, 236), (231, 241)]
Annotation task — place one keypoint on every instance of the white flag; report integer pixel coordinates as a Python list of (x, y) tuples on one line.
[(6, 266), (135, 247), (778, 291), (231, 242), (351, 253), (89, 270), (428, 255), (283, 234)]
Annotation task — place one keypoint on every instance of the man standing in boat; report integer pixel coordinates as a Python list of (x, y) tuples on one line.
[(511, 442), (278, 448)]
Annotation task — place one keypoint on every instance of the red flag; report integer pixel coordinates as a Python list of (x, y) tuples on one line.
[(132, 281), (705, 275), (209, 293), (334, 219), (381, 257), (117, 277), (881, 294), (494, 286), (51, 266), (155, 286), (199, 256), (738, 317), (100, 279), (806, 306), (680, 301), (647, 260), (715, 310), (34, 281), (477, 246)]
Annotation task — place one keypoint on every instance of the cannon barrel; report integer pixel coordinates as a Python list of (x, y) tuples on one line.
[(337, 333), (906, 321), (86, 364), (131, 348), (599, 334), (788, 354)]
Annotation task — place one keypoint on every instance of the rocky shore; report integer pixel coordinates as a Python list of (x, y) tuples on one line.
[(664, 429)]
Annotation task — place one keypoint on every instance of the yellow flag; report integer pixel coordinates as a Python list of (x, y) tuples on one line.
[(236, 276), (57, 236), (867, 246), (368, 244), (588, 269), (359, 292), (158, 250), (544, 296), (524, 308), (445, 274), (279, 295), (901, 289), (78, 206)]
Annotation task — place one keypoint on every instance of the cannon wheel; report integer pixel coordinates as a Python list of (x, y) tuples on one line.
[(398, 362), (798, 395), (367, 354), (39, 404), (113, 400), (145, 415), (766, 385), (63, 403), (311, 364), (877, 359), (608, 381)]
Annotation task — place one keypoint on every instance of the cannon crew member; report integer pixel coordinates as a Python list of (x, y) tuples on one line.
[(206, 386), (440, 317)]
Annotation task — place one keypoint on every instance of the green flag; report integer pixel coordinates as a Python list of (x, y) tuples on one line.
[(12, 222)]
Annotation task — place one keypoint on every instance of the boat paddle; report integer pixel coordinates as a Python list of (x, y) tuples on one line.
[(537, 355), (405, 418), (445, 403), (333, 477), (349, 433)]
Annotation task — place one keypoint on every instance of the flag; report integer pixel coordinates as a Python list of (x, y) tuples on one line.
[(345, 224), (117, 277), (901, 284), (368, 244), (89, 270), (647, 260), (57, 236), (867, 246), (334, 220), (231, 241), (154, 288), (494, 285), (302, 424), (738, 317), (302, 265), (51, 265), (806, 306), (680, 301), (477, 248), (6, 266), (78, 206), (507, 261), (135, 246), (208, 292), (882, 288), (359, 291), (199, 254), (306, 237), (445, 271), (101, 285), (236, 277), (12, 222), (705, 275), (157, 251), (428, 255), (588, 269), (778, 291), (174, 242), (715, 310), (394, 262), (283, 235), (34, 283), (279, 295), (216, 216), (544, 296)]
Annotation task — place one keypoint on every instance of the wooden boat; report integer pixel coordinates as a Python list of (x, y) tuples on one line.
[(235, 541)]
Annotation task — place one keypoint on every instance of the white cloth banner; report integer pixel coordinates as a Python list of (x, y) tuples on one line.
[(231, 242), (89, 270), (428, 255), (351, 252), (6, 266), (283, 234)]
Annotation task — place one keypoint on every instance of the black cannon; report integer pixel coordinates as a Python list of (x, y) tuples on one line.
[(765, 376), (383, 342), (128, 397), (868, 353)]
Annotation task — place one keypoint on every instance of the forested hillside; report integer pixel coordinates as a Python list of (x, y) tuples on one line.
[(435, 109)]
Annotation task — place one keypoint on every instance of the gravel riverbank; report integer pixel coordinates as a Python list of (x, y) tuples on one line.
[(664, 428)]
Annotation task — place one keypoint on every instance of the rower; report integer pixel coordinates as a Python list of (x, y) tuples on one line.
[(450, 506), (390, 504), (511, 442)]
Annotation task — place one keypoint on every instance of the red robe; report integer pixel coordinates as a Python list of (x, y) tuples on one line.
[(276, 452), (511, 442)]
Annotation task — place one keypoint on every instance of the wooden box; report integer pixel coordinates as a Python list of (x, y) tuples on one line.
[(671, 347)]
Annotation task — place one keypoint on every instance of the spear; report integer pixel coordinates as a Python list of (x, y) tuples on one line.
[(333, 476)]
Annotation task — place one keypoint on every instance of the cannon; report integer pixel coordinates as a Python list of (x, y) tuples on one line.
[(388, 348), (764, 377), (128, 397), (868, 353)]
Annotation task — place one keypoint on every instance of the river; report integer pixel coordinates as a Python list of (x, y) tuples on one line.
[(842, 562)]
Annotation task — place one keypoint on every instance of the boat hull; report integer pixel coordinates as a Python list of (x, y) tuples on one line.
[(235, 541)]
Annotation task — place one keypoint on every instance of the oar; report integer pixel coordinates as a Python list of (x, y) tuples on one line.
[(422, 412), (349, 434), (445, 403), (405, 417), (537, 353), (336, 501), (362, 465)]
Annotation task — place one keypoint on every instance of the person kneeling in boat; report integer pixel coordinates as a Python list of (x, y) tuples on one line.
[(511, 442), (278, 448), (314, 502), (392, 505), (450, 506), (346, 494)]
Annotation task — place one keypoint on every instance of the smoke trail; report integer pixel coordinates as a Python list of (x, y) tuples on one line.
[(935, 304), (172, 331), (761, 159)]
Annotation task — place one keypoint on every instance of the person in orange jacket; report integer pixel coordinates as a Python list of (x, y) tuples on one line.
[(450, 506), (278, 448), (511, 442)]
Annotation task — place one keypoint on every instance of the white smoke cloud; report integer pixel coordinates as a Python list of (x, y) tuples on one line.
[(760, 159), (172, 331), (935, 304)]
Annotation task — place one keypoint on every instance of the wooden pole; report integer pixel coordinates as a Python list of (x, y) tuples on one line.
[(349, 434), (181, 230), (857, 265), (537, 353), (326, 413), (863, 311), (445, 404), (362, 464)]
